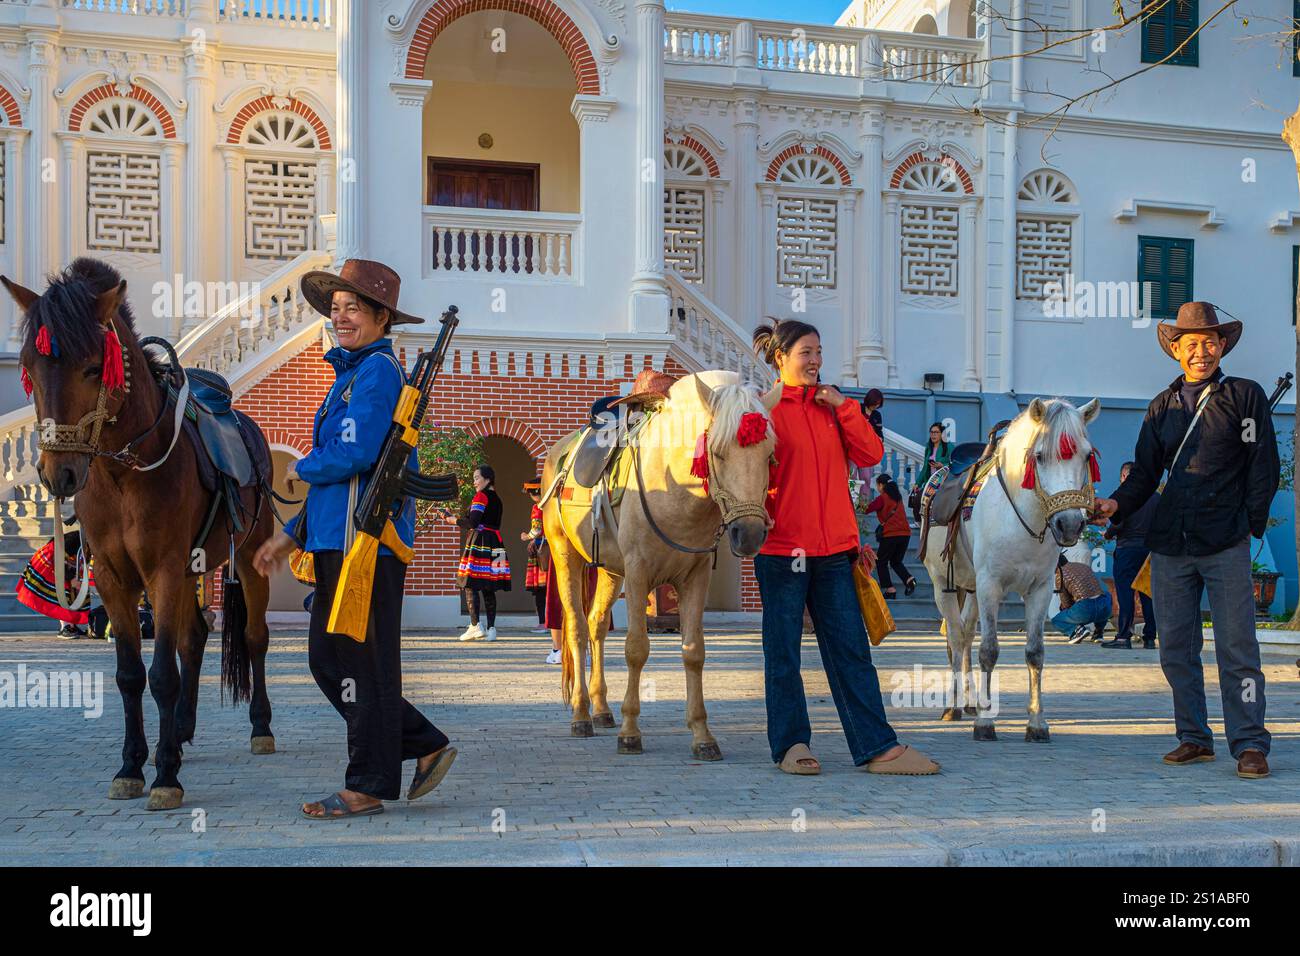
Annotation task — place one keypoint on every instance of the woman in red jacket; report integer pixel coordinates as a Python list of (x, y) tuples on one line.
[(807, 561), (892, 536)]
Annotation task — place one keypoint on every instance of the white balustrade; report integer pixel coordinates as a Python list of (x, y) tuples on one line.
[(794, 49), (710, 337), (490, 243), (945, 61), (685, 43), (307, 14), (903, 460), (157, 8)]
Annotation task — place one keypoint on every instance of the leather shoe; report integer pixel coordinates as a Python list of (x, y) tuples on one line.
[(1123, 643), (1252, 765), (1187, 753)]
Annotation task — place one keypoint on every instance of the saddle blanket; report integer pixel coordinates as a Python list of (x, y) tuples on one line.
[(936, 480)]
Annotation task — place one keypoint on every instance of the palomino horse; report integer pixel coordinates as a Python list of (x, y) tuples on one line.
[(1032, 503), (668, 524), (107, 427)]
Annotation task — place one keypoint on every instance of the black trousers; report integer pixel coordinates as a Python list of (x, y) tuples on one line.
[(890, 554), (364, 681)]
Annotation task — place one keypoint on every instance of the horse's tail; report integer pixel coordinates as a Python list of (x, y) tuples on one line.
[(236, 670)]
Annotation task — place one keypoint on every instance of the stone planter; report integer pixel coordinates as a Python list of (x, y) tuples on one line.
[(1265, 590)]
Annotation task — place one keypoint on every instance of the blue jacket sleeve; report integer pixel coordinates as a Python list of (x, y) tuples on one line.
[(291, 527), (374, 397)]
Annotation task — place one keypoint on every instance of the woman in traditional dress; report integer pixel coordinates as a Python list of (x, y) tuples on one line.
[(37, 588), (484, 568)]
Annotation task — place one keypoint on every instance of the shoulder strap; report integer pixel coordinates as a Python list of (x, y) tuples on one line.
[(1200, 407)]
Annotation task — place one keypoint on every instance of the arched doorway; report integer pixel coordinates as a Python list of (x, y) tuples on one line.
[(287, 593), (514, 465), (926, 26)]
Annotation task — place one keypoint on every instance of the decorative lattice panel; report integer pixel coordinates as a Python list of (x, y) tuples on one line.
[(281, 131), (123, 202), (929, 248), (1043, 250), (1045, 186), (805, 242), (122, 117), (808, 170), (684, 232), (279, 207), (680, 161)]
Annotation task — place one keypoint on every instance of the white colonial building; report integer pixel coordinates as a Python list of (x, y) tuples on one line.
[(601, 185)]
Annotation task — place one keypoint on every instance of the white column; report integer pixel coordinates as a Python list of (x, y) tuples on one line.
[(873, 278), (846, 257), (233, 246), (762, 239), (966, 288), (42, 194), (14, 226), (717, 265), (648, 308), (171, 194), (200, 88), (350, 39), (889, 287), (749, 243), (324, 192), (72, 234)]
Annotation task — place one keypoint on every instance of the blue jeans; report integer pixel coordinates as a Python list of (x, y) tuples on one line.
[(1128, 562), (1093, 610), (825, 587)]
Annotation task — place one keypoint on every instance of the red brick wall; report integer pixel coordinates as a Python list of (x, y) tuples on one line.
[(535, 409)]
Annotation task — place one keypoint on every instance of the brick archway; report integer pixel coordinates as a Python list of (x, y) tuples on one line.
[(511, 428), (700, 150), (264, 103), (13, 115), (945, 159), (139, 94), (556, 21), (789, 152)]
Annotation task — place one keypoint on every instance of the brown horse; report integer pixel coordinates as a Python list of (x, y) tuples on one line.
[(141, 526)]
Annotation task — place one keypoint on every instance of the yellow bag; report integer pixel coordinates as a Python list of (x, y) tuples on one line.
[(1143, 580), (875, 612), (303, 567)]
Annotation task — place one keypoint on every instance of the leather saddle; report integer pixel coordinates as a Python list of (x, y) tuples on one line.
[(945, 504), (948, 497), (228, 438), (598, 446)]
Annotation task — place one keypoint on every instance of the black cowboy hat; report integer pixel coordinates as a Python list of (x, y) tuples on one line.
[(1197, 317), (371, 280)]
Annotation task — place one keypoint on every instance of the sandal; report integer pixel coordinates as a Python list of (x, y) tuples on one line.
[(335, 803), (422, 783), (790, 762), (910, 763), (909, 587)]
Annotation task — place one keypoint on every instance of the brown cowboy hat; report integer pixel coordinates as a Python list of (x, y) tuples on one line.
[(650, 385), (1198, 317), (372, 280)]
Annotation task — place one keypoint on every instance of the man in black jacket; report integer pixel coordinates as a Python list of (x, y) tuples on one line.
[(1214, 434)]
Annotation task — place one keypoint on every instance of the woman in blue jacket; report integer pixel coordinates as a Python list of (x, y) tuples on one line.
[(362, 680)]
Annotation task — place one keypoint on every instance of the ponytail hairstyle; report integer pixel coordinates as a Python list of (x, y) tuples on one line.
[(780, 335), (488, 472), (889, 486)]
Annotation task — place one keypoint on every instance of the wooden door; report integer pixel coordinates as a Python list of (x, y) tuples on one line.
[(481, 185)]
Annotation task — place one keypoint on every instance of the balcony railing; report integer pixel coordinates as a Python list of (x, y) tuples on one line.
[(820, 50), (305, 14), (154, 8), (494, 243)]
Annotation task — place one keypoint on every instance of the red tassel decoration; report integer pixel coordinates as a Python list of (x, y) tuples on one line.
[(27, 383), (114, 374), (700, 463), (43, 344), (1031, 474), (752, 430), (1068, 446), (1094, 468)]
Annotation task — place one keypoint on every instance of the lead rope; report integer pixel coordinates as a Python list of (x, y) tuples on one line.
[(60, 560)]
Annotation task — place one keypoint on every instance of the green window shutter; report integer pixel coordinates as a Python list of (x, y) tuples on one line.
[(1167, 265), (1169, 26)]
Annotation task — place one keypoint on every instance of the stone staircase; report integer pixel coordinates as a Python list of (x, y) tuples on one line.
[(26, 523)]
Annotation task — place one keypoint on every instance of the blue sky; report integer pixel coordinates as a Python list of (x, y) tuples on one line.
[(805, 11)]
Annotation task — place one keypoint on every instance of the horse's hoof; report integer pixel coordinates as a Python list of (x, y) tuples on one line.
[(263, 745), (1037, 735), (165, 798), (985, 732), (706, 751), (581, 728), (951, 713), (629, 745), (605, 721), (972, 711), (126, 788)]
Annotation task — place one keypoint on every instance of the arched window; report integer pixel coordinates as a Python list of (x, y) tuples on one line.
[(280, 173), (929, 228), (807, 222), (123, 176), (1046, 233), (685, 180)]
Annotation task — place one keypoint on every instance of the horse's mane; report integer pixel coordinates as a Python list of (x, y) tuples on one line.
[(731, 401), (1061, 418), (68, 309)]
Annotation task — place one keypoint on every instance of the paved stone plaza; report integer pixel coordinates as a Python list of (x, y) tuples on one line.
[(524, 792)]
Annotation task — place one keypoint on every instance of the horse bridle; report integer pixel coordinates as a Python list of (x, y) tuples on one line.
[(1052, 505), (83, 437), (732, 510)]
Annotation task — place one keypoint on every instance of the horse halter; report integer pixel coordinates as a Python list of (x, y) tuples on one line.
[(1069, 500), (83, 437)]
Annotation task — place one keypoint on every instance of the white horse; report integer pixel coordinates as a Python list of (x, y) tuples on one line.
[(1016, 531)]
